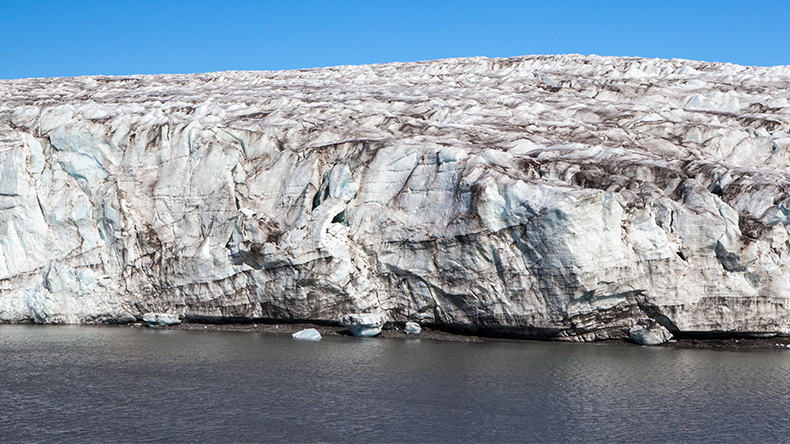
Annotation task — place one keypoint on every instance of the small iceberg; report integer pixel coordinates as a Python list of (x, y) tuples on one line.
[(364, 325), (154, 319), (412, 328), (308, 334), (649, 332)]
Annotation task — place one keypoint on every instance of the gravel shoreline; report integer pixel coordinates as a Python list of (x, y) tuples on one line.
[(730, 343), (775, 342)]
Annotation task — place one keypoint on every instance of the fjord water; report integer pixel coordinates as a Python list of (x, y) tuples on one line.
[(115, 384)]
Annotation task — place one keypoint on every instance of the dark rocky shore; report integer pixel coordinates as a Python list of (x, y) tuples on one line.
[(732, 343), (396, 332)]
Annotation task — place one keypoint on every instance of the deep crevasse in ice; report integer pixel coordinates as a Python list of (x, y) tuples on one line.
[(554, 196)]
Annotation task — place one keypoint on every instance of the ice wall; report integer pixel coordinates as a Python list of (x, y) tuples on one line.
[(551, 196)]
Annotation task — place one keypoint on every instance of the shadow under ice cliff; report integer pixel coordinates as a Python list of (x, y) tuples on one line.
[(564, 197)]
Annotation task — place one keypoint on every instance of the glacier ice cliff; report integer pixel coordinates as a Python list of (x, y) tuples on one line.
[(561, 197)]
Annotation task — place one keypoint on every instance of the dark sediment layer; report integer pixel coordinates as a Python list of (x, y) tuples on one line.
[(732, 343)]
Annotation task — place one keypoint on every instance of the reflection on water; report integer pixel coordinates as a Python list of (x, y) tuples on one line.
[(132, 384)]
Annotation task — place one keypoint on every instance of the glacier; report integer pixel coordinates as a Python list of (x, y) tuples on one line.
[(557, 197)]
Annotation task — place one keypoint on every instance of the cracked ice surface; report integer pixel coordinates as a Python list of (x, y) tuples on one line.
[(553, 196)]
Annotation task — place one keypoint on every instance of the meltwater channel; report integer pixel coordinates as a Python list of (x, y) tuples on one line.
[(122, 384)]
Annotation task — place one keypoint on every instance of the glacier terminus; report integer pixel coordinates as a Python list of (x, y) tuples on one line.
[(558, 197)]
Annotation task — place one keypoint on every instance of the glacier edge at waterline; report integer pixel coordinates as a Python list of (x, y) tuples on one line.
[(561, 197)]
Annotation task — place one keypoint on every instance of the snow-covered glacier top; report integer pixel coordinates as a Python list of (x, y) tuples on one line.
[(562, 196), (474, 102)]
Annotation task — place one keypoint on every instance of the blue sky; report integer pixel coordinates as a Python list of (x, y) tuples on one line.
[(40, 38)]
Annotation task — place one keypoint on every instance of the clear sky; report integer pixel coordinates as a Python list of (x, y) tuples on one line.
[(40, 38)]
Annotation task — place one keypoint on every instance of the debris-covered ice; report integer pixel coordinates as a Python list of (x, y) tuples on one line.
[(563, 196)]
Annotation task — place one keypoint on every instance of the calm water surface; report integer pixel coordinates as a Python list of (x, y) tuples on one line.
[(114, 384)]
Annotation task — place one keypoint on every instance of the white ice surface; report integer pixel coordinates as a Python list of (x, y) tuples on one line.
[(542, 195)]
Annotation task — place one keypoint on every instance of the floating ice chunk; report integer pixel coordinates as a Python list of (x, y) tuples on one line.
[(412, 328), (649, 332), (161, 319), (308, 334), (363, 324)]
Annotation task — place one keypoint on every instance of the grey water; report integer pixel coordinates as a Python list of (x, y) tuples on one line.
[(123, 384)]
